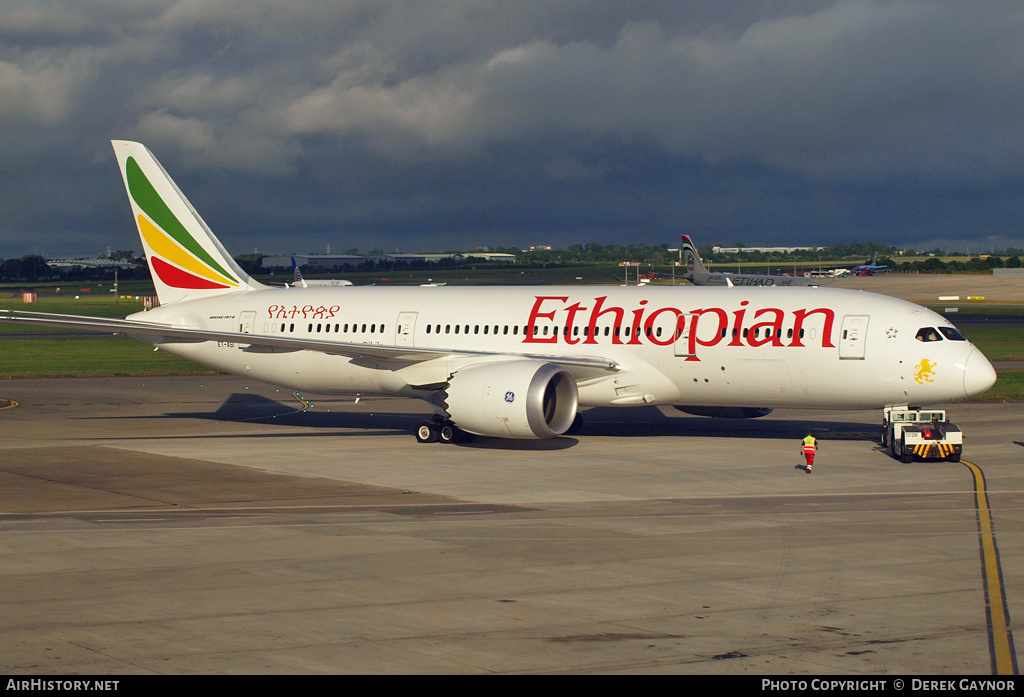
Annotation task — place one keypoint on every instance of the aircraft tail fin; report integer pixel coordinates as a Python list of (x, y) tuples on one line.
[(297, 278), (691, 257), (186, 260)]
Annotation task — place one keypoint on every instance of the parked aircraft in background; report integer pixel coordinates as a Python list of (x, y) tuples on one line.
[(868, 269), (298, 280), (519, 362), (698, 274)]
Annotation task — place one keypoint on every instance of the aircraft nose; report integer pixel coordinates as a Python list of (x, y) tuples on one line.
[(979, 375)]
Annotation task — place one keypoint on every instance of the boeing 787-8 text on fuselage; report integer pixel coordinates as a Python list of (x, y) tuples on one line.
[(519, 362)]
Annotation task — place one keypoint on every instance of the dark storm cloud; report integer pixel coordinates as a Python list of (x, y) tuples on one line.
[(424, 125)]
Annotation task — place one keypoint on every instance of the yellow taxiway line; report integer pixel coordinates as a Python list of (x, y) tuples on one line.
[(1004, 656)]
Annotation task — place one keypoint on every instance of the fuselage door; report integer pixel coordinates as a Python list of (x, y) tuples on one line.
[(245, 322), (852, 337), (406, 329), (684, 327)]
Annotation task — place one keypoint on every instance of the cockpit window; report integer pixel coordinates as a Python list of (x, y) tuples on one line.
[(927, 334), (952, 334)]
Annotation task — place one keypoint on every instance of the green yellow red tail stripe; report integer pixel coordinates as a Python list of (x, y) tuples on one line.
[(170, 241)]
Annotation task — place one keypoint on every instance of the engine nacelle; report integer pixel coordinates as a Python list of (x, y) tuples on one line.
[(726, 412), (512, 399)]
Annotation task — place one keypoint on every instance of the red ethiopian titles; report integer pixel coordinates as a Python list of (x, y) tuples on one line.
[(644, 321)]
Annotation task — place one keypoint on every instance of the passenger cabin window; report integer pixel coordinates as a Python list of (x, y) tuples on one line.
[(927, 334)]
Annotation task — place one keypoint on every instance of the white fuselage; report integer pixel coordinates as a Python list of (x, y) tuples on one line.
[(759, 347)]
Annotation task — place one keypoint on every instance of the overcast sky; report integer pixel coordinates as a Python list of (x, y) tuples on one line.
[(434, 125)]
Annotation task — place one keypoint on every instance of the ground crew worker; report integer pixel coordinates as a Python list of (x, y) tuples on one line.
[(810, 445)]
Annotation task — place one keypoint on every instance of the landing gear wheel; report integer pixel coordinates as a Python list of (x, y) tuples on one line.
[(427, 432), (448, 433)]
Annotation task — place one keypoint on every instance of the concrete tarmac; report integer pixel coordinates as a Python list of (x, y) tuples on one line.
[(212, 525), (928, 288)]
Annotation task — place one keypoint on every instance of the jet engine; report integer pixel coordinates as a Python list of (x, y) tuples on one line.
[(512, 399), (726, 412)]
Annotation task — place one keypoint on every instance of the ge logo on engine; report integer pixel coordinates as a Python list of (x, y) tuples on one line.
[(510, 397)]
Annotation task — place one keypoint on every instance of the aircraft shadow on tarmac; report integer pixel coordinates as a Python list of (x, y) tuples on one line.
[(650, 421), (243, 407), (603, 421), (325, 415)]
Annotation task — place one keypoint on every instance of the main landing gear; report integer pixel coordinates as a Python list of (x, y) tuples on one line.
[(439, 430)]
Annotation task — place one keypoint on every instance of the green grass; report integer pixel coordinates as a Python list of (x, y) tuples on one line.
[(1009, 387), (998, 343), (65, 304), (37, 358)]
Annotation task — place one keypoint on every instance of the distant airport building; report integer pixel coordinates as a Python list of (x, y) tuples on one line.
[(313, 261), (333, 261), (491, 256), (92, 264), (738, 250)]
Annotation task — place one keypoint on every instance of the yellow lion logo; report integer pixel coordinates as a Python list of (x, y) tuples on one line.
[(924, 371)]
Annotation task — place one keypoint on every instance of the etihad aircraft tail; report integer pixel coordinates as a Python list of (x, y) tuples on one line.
[(691, 257)]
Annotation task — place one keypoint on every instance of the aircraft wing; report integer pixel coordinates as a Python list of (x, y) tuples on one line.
[(165, 334)]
